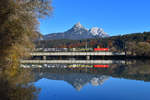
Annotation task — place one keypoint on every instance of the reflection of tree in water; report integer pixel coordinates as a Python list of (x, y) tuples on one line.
[(140, 70), (120, 69), (16, 86), (18, 28)]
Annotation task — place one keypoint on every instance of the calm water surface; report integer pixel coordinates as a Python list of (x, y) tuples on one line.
[(118, 82)]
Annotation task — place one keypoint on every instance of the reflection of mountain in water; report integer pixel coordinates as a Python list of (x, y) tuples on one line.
[(78, 77), (77, 80)]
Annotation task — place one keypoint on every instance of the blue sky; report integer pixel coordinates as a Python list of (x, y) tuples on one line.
[(114, 16)]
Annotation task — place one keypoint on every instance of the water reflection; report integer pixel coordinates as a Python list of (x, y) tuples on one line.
[(15, 85), (117, 82), (61, 82), (77, 80), (78, 77)]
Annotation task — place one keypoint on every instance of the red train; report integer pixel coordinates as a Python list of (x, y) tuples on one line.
[(101, 66), (101, 49), (72, 49)]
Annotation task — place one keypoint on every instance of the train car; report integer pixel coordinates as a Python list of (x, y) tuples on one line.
[(49, 49), (101, 49), (80, 49), (38, 49), (86, 49), (101, 66), (55, 49), (80, 66)]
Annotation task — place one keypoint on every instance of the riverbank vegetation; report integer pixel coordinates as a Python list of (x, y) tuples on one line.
[(18, 27)]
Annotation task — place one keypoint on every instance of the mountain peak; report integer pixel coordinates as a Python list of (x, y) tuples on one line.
[(78, 25), (97, 31), (78, 31)]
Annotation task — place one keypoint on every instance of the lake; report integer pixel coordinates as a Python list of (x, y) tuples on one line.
[(117, 82)]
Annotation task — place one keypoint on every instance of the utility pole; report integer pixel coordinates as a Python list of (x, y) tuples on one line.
[(86, 45)]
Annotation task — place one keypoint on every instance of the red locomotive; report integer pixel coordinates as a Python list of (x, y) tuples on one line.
[(101, 49)]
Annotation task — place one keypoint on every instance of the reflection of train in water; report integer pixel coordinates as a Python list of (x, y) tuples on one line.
[(71, 49), (63, 66), (88, 66)]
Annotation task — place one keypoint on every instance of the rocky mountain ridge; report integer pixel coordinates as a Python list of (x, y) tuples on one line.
[(77, 32)]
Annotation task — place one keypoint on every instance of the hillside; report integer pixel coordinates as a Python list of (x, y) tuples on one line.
[(103, 42)]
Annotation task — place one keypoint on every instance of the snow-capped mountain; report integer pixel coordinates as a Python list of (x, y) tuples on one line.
[(77, 80), (77, 32), (95, 31)]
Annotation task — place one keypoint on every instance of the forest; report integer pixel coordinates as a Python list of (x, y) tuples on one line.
[(133, 44)]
